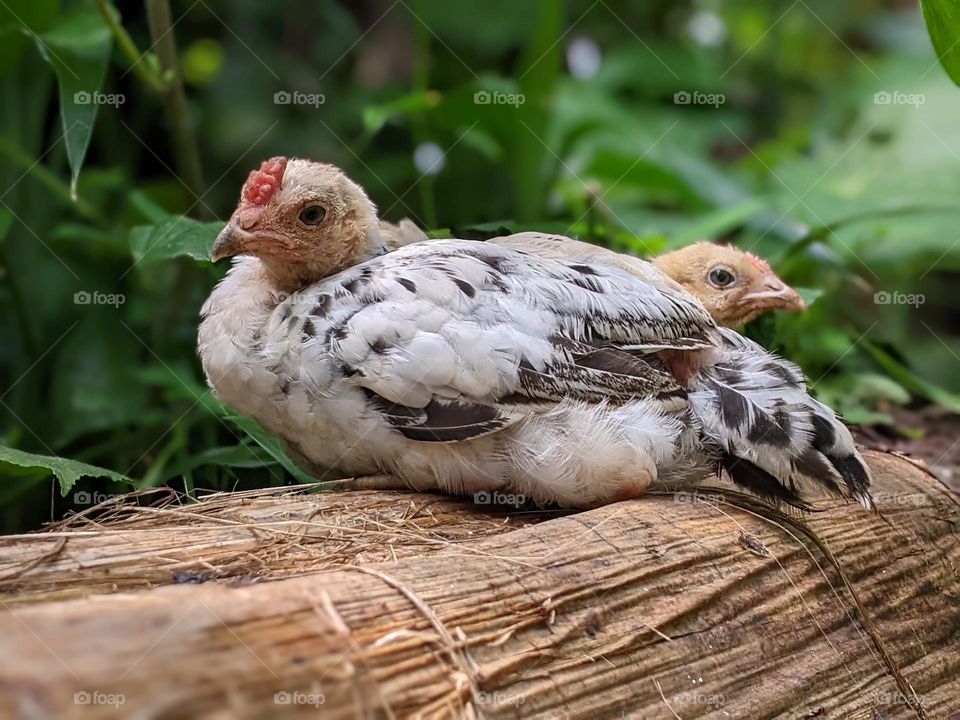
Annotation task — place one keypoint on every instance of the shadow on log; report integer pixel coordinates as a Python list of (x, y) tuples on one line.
[(683, 604)]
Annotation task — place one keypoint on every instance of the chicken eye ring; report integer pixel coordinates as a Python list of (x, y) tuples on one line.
[(721, 277), (312, 215)]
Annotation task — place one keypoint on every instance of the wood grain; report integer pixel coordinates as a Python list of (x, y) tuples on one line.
[(680, 604)]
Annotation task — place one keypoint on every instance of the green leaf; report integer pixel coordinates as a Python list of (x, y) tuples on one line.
[(913, 382), (78, 47), (94, 384), (238, 456), (172, 238), (718, 222), (66, 471), (943, 24), (376, 116), (147, 207), (810, 295), (19, 20), (272, 446)]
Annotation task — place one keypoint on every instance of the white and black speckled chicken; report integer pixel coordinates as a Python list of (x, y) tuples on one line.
[(466, 366)]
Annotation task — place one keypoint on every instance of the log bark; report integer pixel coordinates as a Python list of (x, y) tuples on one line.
[(364, 604)]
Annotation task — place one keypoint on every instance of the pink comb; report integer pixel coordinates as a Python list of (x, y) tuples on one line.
[(760, 263), (262, 183)]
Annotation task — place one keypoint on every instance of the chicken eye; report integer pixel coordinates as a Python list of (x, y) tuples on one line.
[(312, 215), (721, 277)]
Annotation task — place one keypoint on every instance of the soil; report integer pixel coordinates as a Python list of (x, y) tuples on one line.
[(929, 435)]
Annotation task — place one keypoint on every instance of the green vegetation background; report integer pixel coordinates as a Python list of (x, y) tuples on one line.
[(835, 153)]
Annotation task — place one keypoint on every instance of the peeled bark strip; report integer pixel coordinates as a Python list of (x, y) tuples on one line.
[(376, 605)]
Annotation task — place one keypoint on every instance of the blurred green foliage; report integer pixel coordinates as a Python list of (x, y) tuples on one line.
[(822, 136)]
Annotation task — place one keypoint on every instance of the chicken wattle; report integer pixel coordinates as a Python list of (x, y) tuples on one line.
[(468, 366)]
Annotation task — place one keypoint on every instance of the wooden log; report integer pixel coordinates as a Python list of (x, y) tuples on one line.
[(674, 605)]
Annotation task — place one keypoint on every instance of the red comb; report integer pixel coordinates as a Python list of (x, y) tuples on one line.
[(262, 183)]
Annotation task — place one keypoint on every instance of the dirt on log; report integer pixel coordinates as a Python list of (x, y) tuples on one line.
[(683, 604)]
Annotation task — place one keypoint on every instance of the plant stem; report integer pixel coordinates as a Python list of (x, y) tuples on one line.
[(175, 102), (16, 155), (421, 82), (139, 65)]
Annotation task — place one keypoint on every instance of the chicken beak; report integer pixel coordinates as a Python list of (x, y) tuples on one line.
[(774, 294), (229, 242)]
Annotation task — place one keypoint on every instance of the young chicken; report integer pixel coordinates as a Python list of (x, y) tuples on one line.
[(734, 286), (469, 366)]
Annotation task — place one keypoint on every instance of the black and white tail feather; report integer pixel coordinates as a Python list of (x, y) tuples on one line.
[(773, 437)]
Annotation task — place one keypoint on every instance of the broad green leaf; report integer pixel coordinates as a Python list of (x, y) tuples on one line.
[(78, 48), (172, 238), (943, 24), (146, 206), (66, 471)]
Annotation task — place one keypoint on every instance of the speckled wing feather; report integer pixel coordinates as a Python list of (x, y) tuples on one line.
[(456, 339), (561, 247), (775, 439)]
